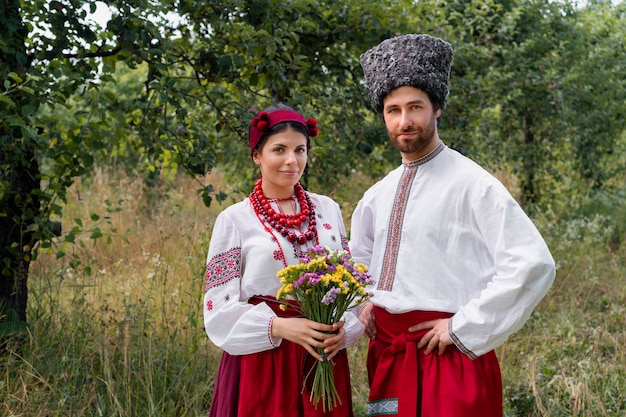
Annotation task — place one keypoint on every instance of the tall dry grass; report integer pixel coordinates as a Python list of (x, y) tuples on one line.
[(128, 339)]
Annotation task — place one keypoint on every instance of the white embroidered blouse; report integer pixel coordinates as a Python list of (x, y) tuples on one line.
[(243, 260)]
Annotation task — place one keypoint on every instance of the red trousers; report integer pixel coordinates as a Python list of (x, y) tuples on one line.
[(269, 383), (405, 382)]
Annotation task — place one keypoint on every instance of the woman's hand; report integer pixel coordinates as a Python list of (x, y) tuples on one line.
[(336, 341), (310, 335)]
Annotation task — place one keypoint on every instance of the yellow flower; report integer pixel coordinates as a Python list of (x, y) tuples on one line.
[(324, 300), (316, 264)]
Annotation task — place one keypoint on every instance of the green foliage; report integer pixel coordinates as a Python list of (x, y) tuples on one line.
[(11, 327), (128, 340), (568, 359), (592, 93), (168, 86), (122, 364), (304, 53), (162, 87), (165, 87), (530, 90)]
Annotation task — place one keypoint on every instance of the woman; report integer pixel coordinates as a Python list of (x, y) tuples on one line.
[(268, 351)]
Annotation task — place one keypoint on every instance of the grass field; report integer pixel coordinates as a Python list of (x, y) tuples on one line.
[(128, 339)]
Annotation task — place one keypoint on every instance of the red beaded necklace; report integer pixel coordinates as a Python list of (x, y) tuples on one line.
[(282, 222)]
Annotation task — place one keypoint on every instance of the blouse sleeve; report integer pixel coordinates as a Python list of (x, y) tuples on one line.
[(354, 328), (362, 233), (524, 272), (232, 324)]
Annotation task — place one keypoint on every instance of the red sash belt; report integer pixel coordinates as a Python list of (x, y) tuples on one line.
[(407, 383), (394, 367)]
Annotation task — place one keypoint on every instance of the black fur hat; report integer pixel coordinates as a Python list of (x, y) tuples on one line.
[(420, 61)]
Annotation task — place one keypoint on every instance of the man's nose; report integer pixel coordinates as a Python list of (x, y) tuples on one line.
[(406, 121)]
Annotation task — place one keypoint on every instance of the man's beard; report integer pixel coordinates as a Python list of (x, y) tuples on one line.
[(424, 138)]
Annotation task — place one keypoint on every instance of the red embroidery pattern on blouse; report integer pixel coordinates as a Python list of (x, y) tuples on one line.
[(279, 255), (209, 305), (344, 244), (394, 234), (328, 226), (269, 332), (222, 268)]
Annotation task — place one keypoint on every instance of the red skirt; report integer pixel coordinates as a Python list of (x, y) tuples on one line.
[(269, 383), (405, 382)]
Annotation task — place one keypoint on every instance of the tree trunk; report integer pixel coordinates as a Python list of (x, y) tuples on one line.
[(529, 192), (19, 204), (19, 173)]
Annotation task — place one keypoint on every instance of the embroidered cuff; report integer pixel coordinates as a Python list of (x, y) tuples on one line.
[(457, 342), (360, 307), (273, 341)]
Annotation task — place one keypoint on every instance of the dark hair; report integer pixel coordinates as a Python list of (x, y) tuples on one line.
[(279, 127)]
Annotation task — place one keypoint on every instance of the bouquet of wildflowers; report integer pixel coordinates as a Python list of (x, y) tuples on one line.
[(326, 284)]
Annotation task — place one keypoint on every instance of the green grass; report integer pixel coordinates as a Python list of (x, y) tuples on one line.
[(128, 339)]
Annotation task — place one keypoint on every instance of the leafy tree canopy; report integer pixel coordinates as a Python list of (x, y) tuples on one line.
[(171, 85)]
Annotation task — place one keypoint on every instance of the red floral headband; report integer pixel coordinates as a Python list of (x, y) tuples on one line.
[(264, 121)]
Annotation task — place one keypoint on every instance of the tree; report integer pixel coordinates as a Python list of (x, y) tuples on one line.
[(17, 196), (201, 73), (172, 85), (43, 66), (503, 108), (593, 89), (530, 84)]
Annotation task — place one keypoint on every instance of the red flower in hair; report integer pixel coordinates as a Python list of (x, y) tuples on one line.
[(311, 125), (261, 121)]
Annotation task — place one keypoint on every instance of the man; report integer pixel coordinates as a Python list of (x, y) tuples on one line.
[(459, 265)]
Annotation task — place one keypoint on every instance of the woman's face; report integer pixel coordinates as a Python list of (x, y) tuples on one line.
[(282, 160)]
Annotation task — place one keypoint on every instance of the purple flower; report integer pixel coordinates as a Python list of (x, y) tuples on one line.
[(330, 296), (299, 281), (317, 250), (312, 278)]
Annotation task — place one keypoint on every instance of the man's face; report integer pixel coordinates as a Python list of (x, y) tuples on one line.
[(411, 121)]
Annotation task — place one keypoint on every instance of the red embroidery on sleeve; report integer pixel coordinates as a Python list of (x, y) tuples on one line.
[(222, 268)]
